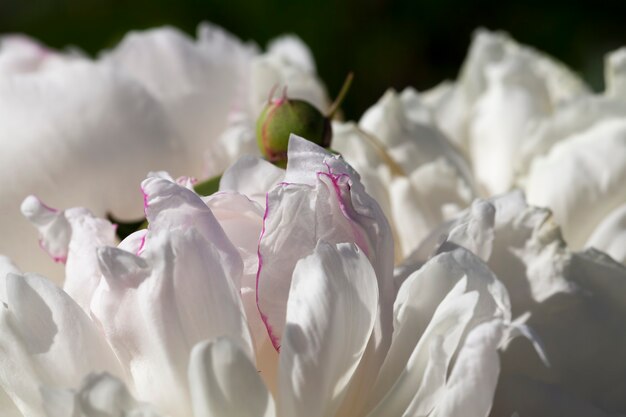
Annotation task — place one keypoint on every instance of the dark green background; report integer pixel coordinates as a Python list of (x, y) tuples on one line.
[(386, 43)]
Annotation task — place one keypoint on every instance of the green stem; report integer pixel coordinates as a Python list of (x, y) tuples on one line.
[(341, 96)]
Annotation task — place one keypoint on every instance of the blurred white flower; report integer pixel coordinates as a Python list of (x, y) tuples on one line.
[(515, 118), (158, 100), (573, 302), (167, 322)]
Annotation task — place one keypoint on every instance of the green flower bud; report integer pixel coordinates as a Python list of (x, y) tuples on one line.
[(282, 117)]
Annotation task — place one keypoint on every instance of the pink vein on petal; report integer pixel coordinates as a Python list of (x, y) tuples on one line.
[(264, 318), (360, 238)]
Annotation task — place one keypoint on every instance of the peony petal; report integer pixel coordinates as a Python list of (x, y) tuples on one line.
[(610, 235), (591, 169), (224, 382), (615, 73), (72, 237), (321, 199), (19, 54), (568, 120), (197, 82), (514, 100), (54, 229), (100, 395), (425, 336), (425, 370), (169, 206), (287, 63), (153, 321), (237, 178), (321, 347), (51, 143), (46, 339), (454, 104), (472, 383)]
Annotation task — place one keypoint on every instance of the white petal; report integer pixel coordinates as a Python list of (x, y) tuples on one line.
[(6, 267), (571, 118), (237, 178), (329, 203), (197, 82), (54, 229), (515, 99), (615, 73), (474, 231), (49, 140), (82, 274), (610, 235), (330, 315), (156, 307), (100, 395), (425, 338), (292, 49), (47, 339), (471, 385), (224, 382), (581, 179), (169, 206), (454, 107), (287, 63), (20, 54)]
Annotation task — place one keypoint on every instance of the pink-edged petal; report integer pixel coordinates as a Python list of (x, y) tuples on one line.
[(331, 314), (54, 230), (72, 236), (169, 206), (224, 382), (321, 198)]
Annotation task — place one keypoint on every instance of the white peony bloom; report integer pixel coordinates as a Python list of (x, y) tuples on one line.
[(158, 100), (572, 301), (164, 324), (408, 165), (515, 118)]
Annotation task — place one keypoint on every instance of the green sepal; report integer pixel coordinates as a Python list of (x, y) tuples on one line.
[(208, 187)]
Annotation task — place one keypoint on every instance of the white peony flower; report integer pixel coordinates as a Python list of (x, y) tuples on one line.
[(572, 301), (158, 100), (164, 324), (515, 118), (418, 177)]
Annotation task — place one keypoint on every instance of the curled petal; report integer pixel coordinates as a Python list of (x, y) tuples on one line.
[(224, 382), (321, 347)]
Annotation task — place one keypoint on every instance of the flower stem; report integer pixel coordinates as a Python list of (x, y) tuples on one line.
[(341, 96)]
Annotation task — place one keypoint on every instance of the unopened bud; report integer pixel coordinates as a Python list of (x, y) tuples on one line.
[(282, 117)]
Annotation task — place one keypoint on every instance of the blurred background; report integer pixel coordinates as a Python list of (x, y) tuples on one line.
[(386, 43)]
